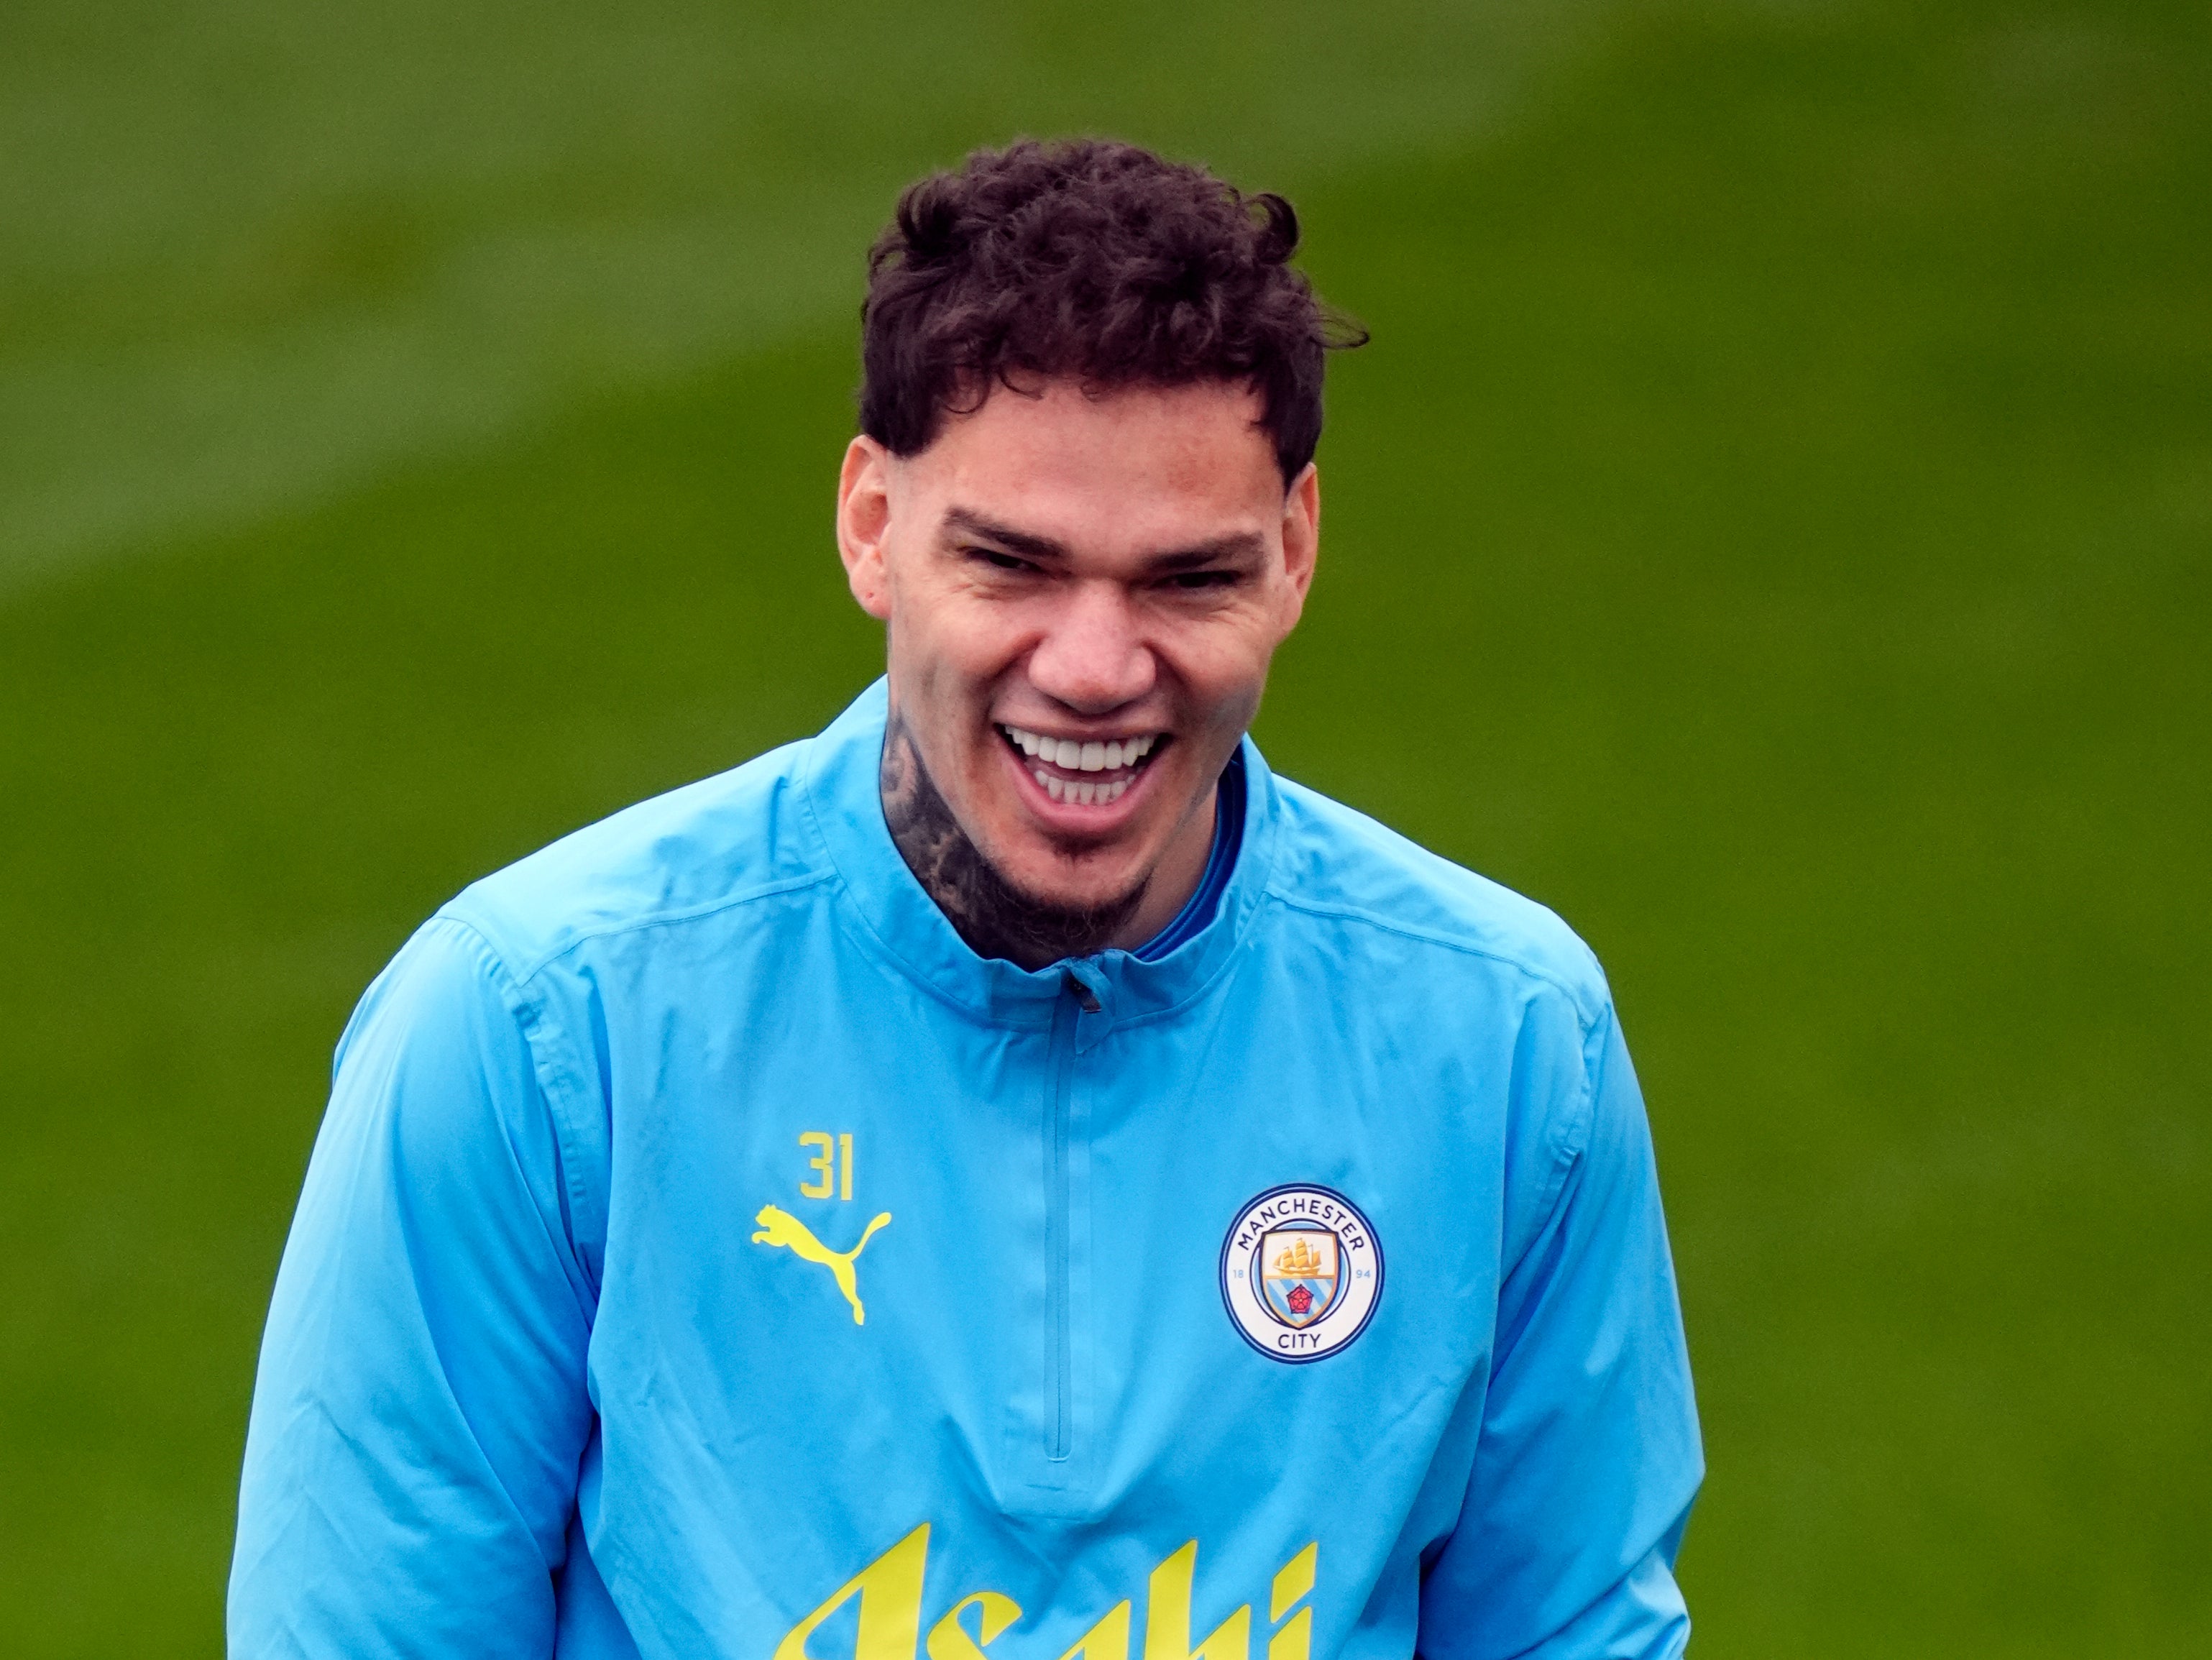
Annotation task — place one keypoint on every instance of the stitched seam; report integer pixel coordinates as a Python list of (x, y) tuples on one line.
[(1569, 1151), (539, 1031), (1350, 914), (659, 920)]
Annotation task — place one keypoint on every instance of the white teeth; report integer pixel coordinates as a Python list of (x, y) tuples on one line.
[(1086, 794), (1070, 755)]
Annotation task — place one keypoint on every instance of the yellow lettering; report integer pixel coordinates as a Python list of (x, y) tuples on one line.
[(1167, 1616), (825, 1161), (1107, 1640), (1295, 1580), (949, 1638), (890, 1590), (889, 1622), (845, 1170)]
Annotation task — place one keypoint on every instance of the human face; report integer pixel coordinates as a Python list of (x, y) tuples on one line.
[(1083, 594)]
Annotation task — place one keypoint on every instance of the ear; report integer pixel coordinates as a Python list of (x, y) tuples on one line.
[(1301, 540), (863, 517)]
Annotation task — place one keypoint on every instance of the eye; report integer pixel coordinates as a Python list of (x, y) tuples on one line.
[(1194, 582), (997, 559)]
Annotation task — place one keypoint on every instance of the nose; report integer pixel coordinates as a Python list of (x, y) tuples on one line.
[(1091, 656)]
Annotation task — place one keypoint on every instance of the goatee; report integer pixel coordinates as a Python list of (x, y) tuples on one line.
[(994, 916)]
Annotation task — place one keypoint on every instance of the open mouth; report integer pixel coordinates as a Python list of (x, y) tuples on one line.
[(1084, 772)]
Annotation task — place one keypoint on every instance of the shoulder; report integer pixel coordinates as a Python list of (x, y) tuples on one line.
[(740, 836), (1337, 869)]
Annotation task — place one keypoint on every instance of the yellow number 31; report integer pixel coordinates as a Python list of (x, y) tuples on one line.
[(834, 1162)]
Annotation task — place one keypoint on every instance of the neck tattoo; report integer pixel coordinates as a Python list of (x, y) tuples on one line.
[(987, 911)]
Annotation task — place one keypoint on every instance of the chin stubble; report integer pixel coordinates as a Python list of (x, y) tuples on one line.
[(995, 917)]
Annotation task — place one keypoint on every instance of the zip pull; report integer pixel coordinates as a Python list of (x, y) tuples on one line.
[(1086, 998)]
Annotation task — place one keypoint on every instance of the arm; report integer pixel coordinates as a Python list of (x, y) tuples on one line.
[(420, 1411), (1588, 1457)]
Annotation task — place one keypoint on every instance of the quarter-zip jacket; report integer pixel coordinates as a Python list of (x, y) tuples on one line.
[(705, 1253)]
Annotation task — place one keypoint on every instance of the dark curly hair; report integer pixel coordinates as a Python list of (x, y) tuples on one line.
[(1095, 260)]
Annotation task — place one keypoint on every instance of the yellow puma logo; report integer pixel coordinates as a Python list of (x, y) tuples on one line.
[(780, 1227)]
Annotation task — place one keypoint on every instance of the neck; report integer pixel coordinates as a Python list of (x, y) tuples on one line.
[(995, 917)]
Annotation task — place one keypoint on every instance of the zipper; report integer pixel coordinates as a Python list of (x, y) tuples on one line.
[(1058, 1413)]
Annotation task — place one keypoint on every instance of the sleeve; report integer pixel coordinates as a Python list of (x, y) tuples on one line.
[(1588, 1457), (420, 1407)]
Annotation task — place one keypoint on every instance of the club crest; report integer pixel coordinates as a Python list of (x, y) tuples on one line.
[(1301, 1271)]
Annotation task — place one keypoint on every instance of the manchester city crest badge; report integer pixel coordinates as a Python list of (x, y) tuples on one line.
[(1301, 1271)]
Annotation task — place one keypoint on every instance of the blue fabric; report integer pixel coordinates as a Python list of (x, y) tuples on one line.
[(1220, 864), (534, 1384)]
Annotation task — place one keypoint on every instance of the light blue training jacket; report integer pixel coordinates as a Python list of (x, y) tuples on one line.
[(705, 1253)]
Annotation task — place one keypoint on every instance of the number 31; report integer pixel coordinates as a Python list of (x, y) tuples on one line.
[(834, 1162)]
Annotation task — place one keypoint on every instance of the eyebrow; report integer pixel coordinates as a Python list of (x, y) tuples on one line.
[(963, 521)]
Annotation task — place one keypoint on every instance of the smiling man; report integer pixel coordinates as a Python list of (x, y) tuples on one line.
[(1009, 1177), (1082, 589)]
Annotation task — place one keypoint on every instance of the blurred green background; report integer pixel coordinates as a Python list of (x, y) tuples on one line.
[(1772, 526)]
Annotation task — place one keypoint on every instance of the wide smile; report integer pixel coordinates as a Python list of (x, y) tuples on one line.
[(1084, 772)]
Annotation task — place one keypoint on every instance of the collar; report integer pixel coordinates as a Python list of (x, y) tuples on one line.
[(893, 918), (1220, 864)]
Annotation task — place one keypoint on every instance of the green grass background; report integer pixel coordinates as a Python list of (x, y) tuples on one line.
[(1773, 525)]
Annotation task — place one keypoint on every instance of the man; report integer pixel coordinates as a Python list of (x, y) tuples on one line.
[(1009, 1176)]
